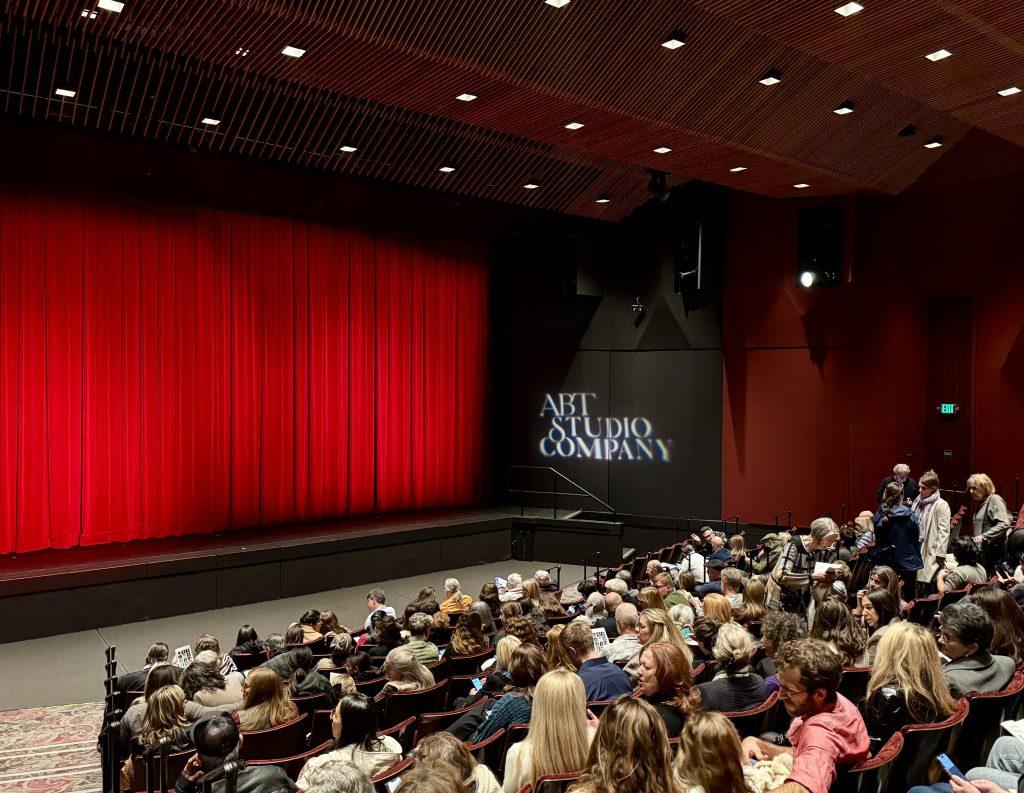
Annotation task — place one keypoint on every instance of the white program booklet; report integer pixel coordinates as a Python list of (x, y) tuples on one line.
[(1015, 728), (600, 639), (183, 656)]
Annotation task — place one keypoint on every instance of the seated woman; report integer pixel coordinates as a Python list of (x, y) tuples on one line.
[(339, 676), (778, 628), (1007, 622), (310, 624), (558, 740), (483, 611), (881, 577), (968, 568), (331, 628), (404, 673), (531, 590), (965, 637), (266, 702), (550, 606), (203, 683), (835, 623), (489, 595), (247, 641), (557, 657), (360, 668), (443, 751), (522, 629), (709, 759), (753, 609), (650, 598), (515, 706), (387, 636), (498, 680), (469, 635), (655, 625), (907, 685), (305, 681), (666, 682), (356, 739), (717, 608), (165, 718), (454, 601), (630, 752), (879, 610), (736, 686)]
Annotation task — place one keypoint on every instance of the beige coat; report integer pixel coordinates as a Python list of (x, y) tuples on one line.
[(934, 540)]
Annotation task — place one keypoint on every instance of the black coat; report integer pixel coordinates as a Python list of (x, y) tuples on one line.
[(910, 489)]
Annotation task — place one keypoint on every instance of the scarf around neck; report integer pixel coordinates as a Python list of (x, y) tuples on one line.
[(923, 507)]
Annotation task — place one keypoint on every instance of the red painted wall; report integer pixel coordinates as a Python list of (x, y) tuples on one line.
[(825, 389)]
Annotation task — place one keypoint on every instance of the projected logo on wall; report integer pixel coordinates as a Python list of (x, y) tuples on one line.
[(574, 432)]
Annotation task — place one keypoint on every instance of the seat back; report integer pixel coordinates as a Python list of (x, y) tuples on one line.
[(981, 727), (462, 685), (175, 765), (489, 750), (403, 732), (560, 619), (293, 765), (371, 687), (755, 720), (854, 683), (705, 672), (284, 740), (514, 733), (247, 661), (555, 783), (382, 780), (469, 663), (870, 775), (400, 706), (921, 744), (321, 729), (922, 611), (311, 703), (439, 668), (429, 723), (598, 706), (953, 595)]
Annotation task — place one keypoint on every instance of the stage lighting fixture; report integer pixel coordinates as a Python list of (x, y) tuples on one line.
[(658, 185), (807, 279)]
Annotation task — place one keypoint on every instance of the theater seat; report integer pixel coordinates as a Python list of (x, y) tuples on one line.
[(293, 765), (981, 727), (175, 765), (429, 723), (400, 706), (489, 750), (469, 663), (403, 732), (555, 783), (284, 740), (854, 683), (921, 744), (380, 782), (871, 775), (755, 720)]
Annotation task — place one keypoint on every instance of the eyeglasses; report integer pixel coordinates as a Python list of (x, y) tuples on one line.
[(791, 692)]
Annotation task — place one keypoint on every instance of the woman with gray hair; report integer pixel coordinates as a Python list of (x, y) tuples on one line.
[(454, 601), (596, 608), (789, 585), (513, 588), (337, 778)]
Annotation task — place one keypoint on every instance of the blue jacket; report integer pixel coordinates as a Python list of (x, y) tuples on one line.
[(898, 539)]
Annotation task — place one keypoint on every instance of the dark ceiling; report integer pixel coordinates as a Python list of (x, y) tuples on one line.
[(382, 76)]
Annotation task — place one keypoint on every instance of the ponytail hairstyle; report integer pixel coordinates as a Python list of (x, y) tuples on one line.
[(893, 497)]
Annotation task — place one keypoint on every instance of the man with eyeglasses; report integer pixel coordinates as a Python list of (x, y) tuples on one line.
[(827, 729)]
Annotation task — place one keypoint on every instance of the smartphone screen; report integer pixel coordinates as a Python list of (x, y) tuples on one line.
[(440, 653), (478, 683), (949, 767)]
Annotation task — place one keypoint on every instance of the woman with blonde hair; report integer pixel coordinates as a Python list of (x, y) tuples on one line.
[(165, 718), (558, 740), (655, 625), (738, 553), (735, 686), (709, 758), (717, 608), (454, 601), (753, 609), (498, 680), (907, 685), (557, 657), (630, 753), (531, 590), (404, 673), (991, 518), (266, 702), (650, 598), (443, 750)]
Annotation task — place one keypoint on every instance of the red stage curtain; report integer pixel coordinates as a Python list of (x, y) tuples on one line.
[(167, 370)]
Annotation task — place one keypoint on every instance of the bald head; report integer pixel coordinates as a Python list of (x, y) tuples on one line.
[(612, 600)]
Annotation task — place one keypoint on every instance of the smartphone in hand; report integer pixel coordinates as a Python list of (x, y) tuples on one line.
[(949, 767)]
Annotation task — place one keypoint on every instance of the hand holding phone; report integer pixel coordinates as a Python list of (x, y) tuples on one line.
[(477, 683), (949, 767)]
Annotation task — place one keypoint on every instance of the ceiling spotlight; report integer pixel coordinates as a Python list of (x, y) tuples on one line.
[(604, 198), (771, 77), (242, 51), (446, 169), (557, 3), (934, 143), (1009, 91), (738, 168), (111, 5), (293, 52), (675, 40), (89, 14), (348, 149), (466, 97), (531, 186), (801, 185), (574, 125), (908, 131), (938, 55), (844, 108), (849, 9), (662, 150), (64, 92), (807, 279), (212, 122)]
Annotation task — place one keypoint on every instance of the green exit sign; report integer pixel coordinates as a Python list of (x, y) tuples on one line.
[(948, 408)]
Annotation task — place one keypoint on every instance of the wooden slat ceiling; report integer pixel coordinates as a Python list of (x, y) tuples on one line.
[(383, 77)]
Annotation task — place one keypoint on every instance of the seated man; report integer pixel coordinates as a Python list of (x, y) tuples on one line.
[(692, 562), (718, 549), (628, 643), (419, 643), (134, 681), (543, 579), (713, 568), (217, 741), (601, 678), (732, 586), (827, 729), (964, 639), (374, 603)]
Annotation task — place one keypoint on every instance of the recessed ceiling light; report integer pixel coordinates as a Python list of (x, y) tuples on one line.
[(662, 150), (446, 169), (849, 9), (772, 77), (557, 3), (801, 185), (938, 55), (844, 108), (604, 198), (64, 92), (531, 186), (242, 51), (934, 143), (574, 125), (466, 97), (111, 5), (89, 14), (1009, 91), (738, 168), (676, 39), (348, 149), (211, 121), (293, 52)]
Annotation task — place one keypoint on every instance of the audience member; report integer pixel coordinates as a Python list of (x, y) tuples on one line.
[(898, 538), (627, 644), (360, 668), (266, 702), (767, 554), (683, 616), (224, 662), (788, 587), (441, 630), (499, 679), (692, 562), (310, 624), (543, 579), (835, 624), (965, 637), (717, 608), (602, 678), (752, 608), (489, 595), (336, 669), (732, 587), (404, 674), (158, 653), (454, 601), (386, 637), (294, 635), (165, 718), (649, 598), (713, 585), (469, 636), (705, 631), (597, 609), (664, 584), (879, 610), (933, 517), (419, 644), (968, 568), (531, 590), (431, 778), (204, 684), (557, 657), (356, 740), (534, 615), (330, 627), (426, 601), (1007, 622), (305, 681), (778, 628), (336, 778), (375, 602), (906, 685), (159, 676), (445, 752), (900, 476), (864, 526), (655, 625), (275, 645), (630, 752), (881, 577), (716, 544), (558, 740), (738, 557), (525, 668), (665, 680), (247, 641), (708, 760), (735, 686), (991, 518), (550, 606), (827, 731), (513, 588), (682, 594), (522, 629)]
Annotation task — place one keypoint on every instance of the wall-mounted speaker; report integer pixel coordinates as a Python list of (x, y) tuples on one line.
[(689, 260)]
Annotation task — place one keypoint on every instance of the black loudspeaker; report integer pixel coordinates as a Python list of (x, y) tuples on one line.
[(689, 260), (820, 246), (584, 264)]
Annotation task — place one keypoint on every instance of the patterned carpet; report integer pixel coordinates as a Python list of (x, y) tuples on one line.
[(50, 750)]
